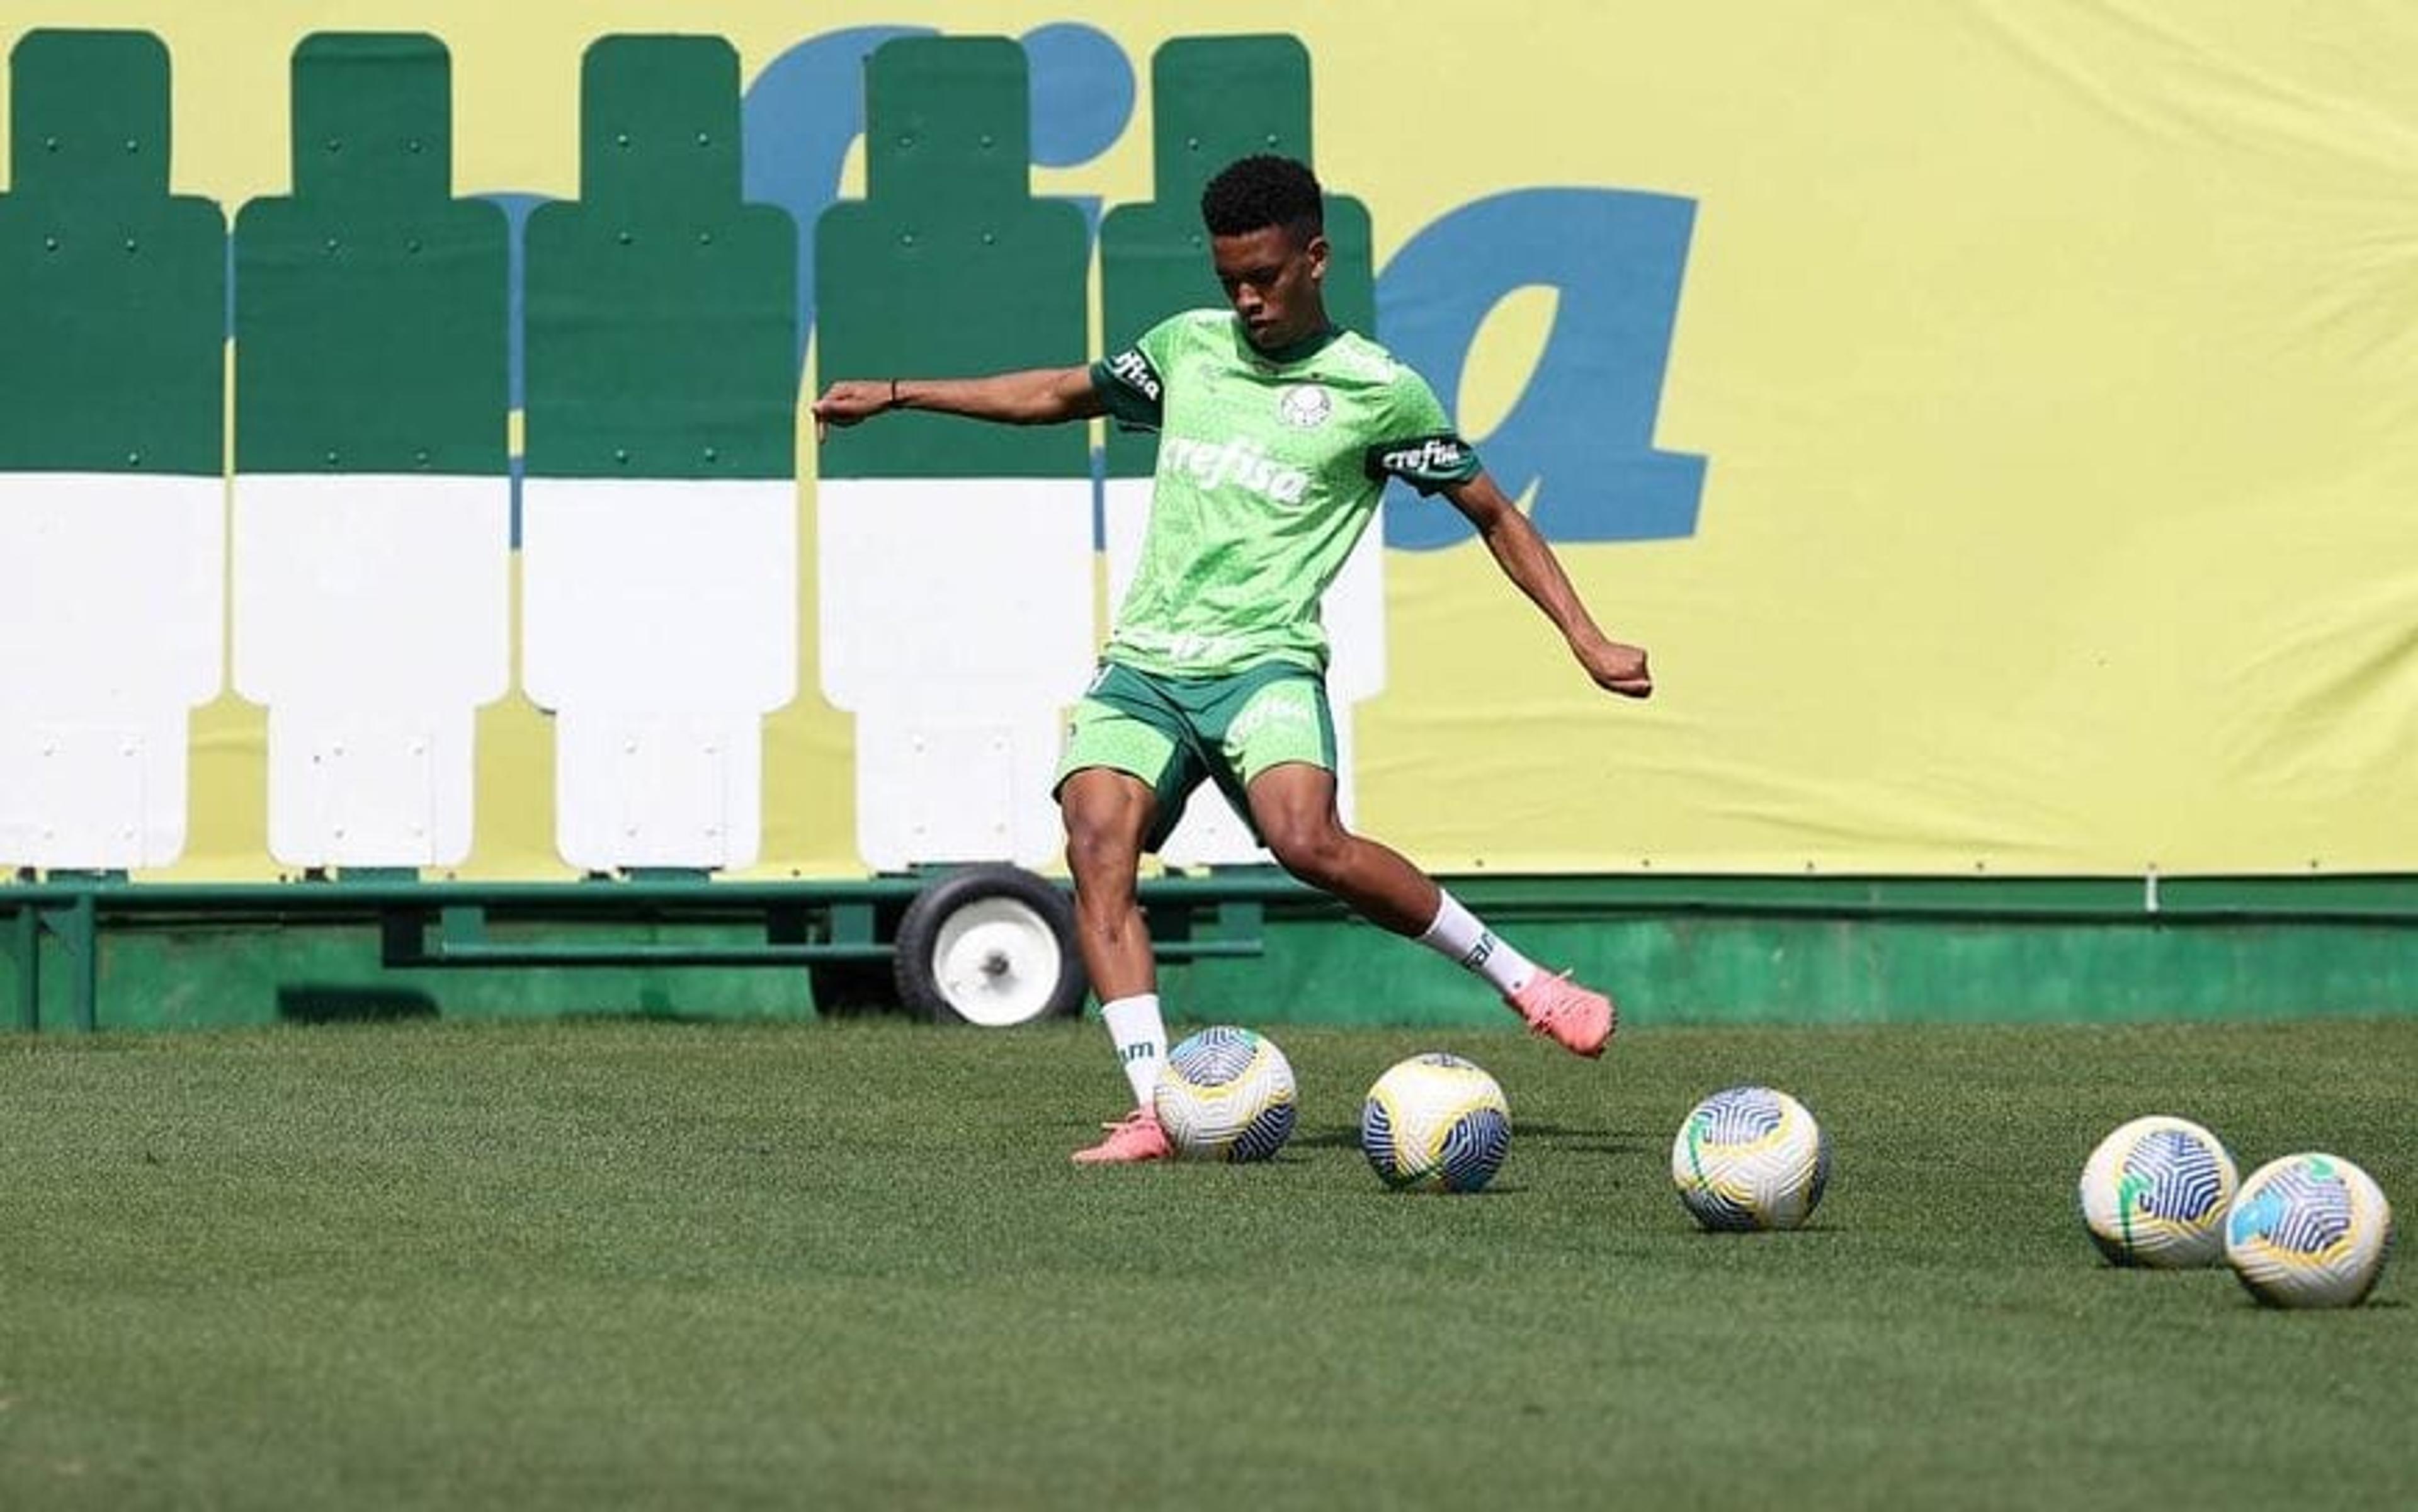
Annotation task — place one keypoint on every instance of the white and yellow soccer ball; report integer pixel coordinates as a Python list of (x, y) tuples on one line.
[(2309, 1231), (1435, 1122), (2155, 1192), (1226, 1093), (1750, 1157)]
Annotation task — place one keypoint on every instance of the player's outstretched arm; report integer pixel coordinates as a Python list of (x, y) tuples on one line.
[(1529, 562), (1037, 396)]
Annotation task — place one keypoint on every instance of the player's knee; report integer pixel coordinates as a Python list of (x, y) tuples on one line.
[(1097, 850), (1312, 849), (1102, 840)]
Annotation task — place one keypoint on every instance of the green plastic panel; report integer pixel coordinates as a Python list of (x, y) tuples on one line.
[(949, 267), (113, 291), (1724, 970), (1856, 951), (206, 975), (661, 311), (1214, 99), (371, 317)]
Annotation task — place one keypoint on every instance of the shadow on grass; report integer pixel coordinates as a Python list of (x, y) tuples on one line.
[(1331, 1138), (643, 1012), (1601, 1141), (856, 989), (348, 1004), (1559, 1135), (1737, 1236)]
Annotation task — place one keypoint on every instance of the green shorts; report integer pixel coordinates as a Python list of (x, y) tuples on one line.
[(1172, 732)]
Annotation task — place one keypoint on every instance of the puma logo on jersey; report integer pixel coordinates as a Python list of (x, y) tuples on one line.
[(1243, 463)]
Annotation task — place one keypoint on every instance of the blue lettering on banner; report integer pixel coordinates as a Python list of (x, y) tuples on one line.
[(796, 123), (802, 113), (1581, 433)]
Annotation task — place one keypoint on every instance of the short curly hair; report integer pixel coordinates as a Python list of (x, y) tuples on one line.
[(1262, 191)]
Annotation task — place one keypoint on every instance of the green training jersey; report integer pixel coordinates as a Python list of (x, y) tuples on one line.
[(1270, 464)]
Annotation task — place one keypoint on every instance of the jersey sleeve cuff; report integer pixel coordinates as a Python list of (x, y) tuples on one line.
[(1127, 406), (1430, 464)]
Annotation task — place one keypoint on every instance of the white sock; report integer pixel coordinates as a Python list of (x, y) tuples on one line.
[(1458, 934), (1140, 1039)]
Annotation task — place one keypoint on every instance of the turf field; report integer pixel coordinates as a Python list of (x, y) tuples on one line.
[(847, 1264)]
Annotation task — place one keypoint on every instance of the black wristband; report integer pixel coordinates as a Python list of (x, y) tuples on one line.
[(894, 393)]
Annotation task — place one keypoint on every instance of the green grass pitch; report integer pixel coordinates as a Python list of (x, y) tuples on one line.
[(848, 1265)]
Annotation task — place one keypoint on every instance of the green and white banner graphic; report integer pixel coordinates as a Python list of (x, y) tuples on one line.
[(113, 546)]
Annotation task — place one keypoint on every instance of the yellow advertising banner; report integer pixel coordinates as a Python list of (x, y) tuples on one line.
[(1997, 419)]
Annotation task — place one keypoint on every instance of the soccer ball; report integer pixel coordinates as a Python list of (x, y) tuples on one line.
[(2309, 1231), (1750, 1157), (2155, 1193), (1435, 1122), (1226, 1093)]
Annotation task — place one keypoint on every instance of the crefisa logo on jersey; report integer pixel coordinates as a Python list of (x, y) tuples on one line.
[(1432, 454), (1243, 461), (1305, 404), (1136, 371)]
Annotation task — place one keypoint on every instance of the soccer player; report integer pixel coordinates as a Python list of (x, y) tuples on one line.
[(1278, 432)]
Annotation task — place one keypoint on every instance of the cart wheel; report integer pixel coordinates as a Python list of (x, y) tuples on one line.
[(992, 946)]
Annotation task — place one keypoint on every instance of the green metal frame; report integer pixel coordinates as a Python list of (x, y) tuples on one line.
[(444, 923), (1219, 915), (73, 919)]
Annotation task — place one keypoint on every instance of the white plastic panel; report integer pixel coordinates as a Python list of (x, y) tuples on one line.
[(956, 624), (373, 615), (660, 623), (643, 789), (937, 591), (359, 791), (957, 790), (78, 797), (659, 593), (97, 682)]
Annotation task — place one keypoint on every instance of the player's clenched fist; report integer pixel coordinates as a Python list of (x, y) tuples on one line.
[(850, 400), (1618, 668)]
